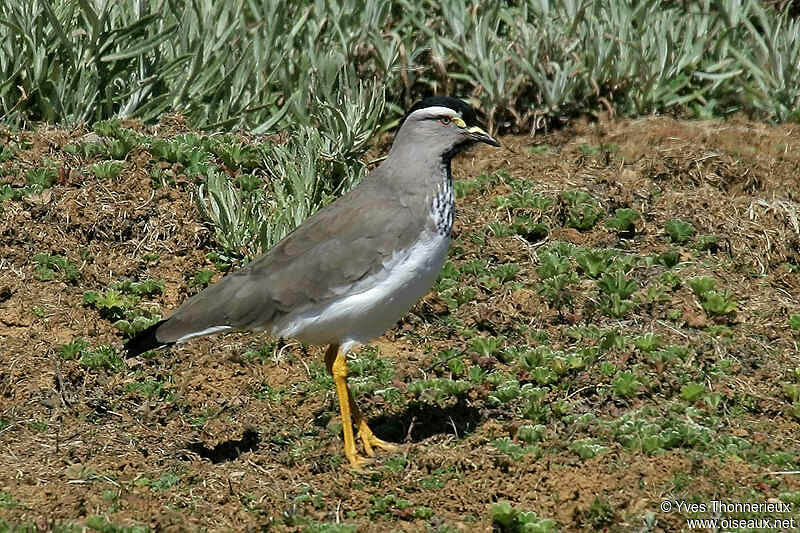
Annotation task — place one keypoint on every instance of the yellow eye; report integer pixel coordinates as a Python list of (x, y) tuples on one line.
[(445, 120)]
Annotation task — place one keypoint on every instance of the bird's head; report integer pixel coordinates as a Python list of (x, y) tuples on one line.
[(442, 126)]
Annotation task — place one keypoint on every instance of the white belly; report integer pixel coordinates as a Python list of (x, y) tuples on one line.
[(374, 304)]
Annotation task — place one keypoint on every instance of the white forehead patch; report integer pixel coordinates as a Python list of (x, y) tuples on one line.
[(433, 112)]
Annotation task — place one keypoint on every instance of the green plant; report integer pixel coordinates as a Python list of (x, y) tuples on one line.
[(506, 272), (669, 259), (111, 303), (7, 500), (625, 384), (531, 434), (701, 285), (146, 287), (583, 216), (7, 153), (49, 266), (648, 342), (512, 449), (507, 519), (624, 220), (73, 349), (166, 481), (105, 170), (587, 448), (707, 243), (474, 267), (201, 278), (691, 392), (719, 303), (504, 393), (595, 262), (679, 231), (794, 321), (714, 302), (150, 388), (101, 357), (600, 513), (41, 178), (617, 284), (486, 346)]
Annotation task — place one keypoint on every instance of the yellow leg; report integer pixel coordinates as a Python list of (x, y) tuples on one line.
[(337, 366)]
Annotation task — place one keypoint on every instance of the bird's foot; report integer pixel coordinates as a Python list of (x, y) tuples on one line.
[(358, 462), (370, 440)]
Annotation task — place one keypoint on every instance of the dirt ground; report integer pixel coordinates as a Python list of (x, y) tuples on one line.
[(237, 432)]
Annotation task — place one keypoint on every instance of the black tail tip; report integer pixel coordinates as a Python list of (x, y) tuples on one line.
[(145, 341)]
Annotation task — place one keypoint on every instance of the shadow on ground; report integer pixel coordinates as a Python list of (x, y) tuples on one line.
[(421, 421)]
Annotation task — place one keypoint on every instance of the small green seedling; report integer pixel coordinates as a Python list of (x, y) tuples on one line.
[(475, 267), (593, 263), (136, 324), (583, 216), (486, 346), (538, 149), (101, 357), (719, 303), (48, 267), (583, 211), (587, 448), (669, 259), (505, 393), (707, 243), (648, 342), (236, 155), (507, 519), (108, 128), (7, 153), (73, 349), (201, 278), (625, 384), (691, 392), (147, 287), (624, 220), (41, 178), (618, 284), (531, 433), (701, 285), (105, 170), (506, 272), (514, 450), (679, 231), (465, 187)]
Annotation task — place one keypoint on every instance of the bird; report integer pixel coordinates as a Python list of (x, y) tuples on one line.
[(354, 268)]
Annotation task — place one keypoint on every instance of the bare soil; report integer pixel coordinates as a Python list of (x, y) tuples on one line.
[(211, 452)]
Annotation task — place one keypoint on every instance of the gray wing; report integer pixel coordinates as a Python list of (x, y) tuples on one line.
[(330, 251)]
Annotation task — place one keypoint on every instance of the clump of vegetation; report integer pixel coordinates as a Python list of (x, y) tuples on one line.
[(624, 220), (583, 210), (557, 274), (50, 267), (106, 170), (41, 178), (715, 303), (508, 519), (121, 304), (679, 231)]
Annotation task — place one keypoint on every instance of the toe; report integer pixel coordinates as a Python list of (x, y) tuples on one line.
[(383, 445), (357, 462)]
